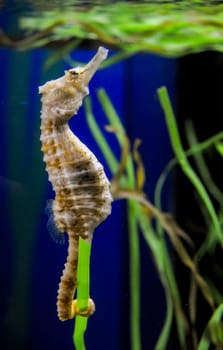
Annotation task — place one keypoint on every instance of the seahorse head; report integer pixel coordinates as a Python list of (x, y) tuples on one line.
[(63, 97)]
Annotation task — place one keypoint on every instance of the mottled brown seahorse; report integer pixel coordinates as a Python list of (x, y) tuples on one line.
[(82, 190)]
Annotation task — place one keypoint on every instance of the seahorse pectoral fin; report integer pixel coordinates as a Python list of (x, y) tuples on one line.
[(56, 235)]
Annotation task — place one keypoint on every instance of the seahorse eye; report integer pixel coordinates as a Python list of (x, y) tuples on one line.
[(74, 73)]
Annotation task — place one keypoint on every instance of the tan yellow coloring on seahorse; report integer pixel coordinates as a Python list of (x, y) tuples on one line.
[(82, 190)]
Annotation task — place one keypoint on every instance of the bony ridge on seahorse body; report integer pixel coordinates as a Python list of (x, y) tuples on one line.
[(82, 190)]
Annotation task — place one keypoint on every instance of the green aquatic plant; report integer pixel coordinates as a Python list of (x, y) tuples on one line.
[(83, 282), (216, 235), (127, 183), (169, 28), (213, 333)]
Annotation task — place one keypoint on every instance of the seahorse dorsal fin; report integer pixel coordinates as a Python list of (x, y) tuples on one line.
[(56, 235)]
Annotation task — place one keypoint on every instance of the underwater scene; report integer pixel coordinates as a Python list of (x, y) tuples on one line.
[(111, 136)]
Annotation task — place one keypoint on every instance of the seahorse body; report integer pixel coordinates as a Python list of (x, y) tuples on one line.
[(83, 198)]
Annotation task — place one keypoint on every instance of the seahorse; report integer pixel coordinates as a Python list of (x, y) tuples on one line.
[(82, 190)]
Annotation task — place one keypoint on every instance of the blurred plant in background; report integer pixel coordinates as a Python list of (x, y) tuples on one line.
[(170, 28), (127, 183)]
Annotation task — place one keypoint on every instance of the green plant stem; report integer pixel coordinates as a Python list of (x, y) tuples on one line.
[(79, 331), (111, 113), (132, 226), (99, 137), (203, 170), (134, 276), (185, 165), (163, 263), (129, 182), (83, 277), (136, 217), (202, 146), (213, 328), (199, 147)]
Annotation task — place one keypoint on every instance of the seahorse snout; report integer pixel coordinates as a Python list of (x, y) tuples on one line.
[(84, 74)]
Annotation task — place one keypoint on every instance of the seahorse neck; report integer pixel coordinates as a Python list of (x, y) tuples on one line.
[(55, 127), (57, 140)]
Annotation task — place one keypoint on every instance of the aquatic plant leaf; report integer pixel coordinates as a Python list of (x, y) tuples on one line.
[(114, 120), (116, 123), (213, 333), (173, 232), (58, 55), (134, 276), (167, 28), (140, 172), (155, 242), (201, 165), (196, 148), (99, 137), (163, 263), (120, 173), (111, 113), (83, 273), (204, 145), (219, 147), (216, 293), (125, 172), (216, 235), (79, 331), (162, 341), (133, 250), (83, 277), (192, 303), (157, 246)]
